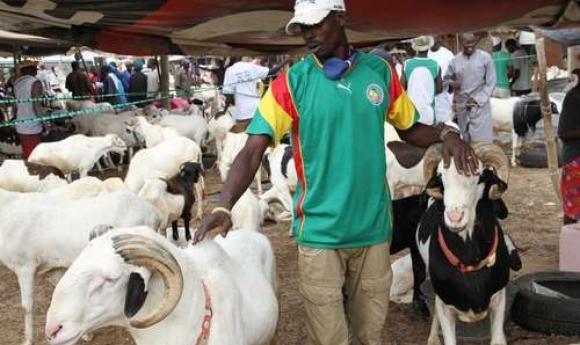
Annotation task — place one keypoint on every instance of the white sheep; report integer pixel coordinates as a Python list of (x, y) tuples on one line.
[(117, 124), (193, 127), (168, 206), (218, 128), (77, 152), (40, 232), (84, 122), (163, 160), (20, 176), (162, 293), (233, 144), (88, 187), (402, 284), (153, 134), (246, 212)]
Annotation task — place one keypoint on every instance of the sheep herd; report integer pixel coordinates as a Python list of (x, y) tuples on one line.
[(126, 268), (50, 222)]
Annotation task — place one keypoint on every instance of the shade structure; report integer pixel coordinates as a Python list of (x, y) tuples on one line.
[(250, 26)]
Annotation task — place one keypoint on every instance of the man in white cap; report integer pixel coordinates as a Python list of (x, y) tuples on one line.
[(504, 69), (334, 102), (472, 77), (422, 79)]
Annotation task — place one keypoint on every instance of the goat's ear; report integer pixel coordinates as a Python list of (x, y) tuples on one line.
[(99, 230), (489, 178), (136, 294), (500, 209)]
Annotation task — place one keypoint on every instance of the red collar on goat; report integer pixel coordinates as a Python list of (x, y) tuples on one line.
[(454, 260), (206, 323)]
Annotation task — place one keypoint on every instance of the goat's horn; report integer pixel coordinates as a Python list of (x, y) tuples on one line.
[(431, 159), (144, 252), (493, 156)]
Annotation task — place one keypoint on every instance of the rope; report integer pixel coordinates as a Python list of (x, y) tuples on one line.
[(90, 111), (68, 98)]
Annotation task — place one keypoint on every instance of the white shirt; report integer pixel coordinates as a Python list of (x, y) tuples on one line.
[(443, 101), (421, 91), (242, 80), (443, 56), (24, 111), (152, 83)]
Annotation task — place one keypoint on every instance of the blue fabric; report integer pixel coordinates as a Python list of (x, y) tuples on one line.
[(335, 68)]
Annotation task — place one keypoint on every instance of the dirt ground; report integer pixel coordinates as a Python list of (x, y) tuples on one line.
[(534, 224)]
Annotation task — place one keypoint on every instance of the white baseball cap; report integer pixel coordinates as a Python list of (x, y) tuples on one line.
[(311, 12), (495, 40)]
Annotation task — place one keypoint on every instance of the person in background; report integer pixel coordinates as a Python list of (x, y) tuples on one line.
[(184, 80), (125, 76), (471, 75), (95, 79), (335, 111), (152, 79), (220, 72), (242, 87), (10, 83), (443, 100), (522, 77), (504, 69), (28, 86), (113, 91), (421, 77), (78, 83), (569, 133), (383, 54), (138, 84)]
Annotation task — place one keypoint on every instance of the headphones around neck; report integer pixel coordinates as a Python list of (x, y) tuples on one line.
[(334, 68)]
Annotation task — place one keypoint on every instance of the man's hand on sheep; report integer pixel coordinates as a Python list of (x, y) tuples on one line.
[(220, 220), (463, 155)]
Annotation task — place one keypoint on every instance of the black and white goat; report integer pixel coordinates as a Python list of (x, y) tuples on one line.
[(183, 184), (519, 116), (467, 256)]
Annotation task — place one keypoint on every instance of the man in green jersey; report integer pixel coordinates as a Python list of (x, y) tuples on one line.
[(334, 103), (422, 79), (504, 69)]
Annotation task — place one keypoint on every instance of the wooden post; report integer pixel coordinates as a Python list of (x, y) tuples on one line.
[(164, 80), (551, 148)]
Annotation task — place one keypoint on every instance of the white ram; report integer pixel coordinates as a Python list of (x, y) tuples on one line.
[(163, 294), (77, 152), (40, 232)]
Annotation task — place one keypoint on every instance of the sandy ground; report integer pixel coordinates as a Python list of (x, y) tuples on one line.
[(534, 223)]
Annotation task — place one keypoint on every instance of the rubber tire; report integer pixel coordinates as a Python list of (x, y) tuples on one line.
[(546, 314), (537, 158)]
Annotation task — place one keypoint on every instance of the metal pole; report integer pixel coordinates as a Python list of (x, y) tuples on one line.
[(164, 80), (551, 148), (83, 61)]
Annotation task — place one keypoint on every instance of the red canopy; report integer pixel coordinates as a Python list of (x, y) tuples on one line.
[(177, 26)]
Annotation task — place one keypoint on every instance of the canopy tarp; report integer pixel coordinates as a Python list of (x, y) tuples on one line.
[(30, 45), (240, 26)]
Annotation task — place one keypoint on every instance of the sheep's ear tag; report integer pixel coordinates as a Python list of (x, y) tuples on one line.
[(136, 294)]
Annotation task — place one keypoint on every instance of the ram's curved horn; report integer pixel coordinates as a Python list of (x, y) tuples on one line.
[(493, 156), (431, 159), (144, 252)]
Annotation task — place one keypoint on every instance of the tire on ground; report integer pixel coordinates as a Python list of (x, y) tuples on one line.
[(548, 314), (536, 157)]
